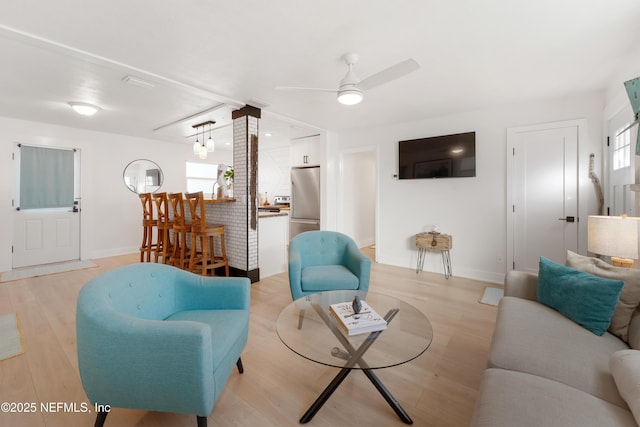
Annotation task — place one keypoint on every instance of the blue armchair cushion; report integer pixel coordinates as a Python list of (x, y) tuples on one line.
[(320, 278)]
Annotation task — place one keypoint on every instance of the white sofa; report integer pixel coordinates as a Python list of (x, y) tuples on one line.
[(544, 370)]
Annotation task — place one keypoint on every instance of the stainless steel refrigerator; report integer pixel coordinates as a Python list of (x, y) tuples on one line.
[(305, 200)]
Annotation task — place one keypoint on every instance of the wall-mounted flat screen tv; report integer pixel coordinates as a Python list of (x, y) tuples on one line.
[(447, 156)]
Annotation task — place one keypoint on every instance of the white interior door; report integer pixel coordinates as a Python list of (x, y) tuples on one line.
[(542, 193), (47, 235)]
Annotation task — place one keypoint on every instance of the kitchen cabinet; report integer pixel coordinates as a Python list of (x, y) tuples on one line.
[(305, 151)]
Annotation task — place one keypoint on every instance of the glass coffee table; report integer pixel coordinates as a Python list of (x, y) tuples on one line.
[(308, 328)]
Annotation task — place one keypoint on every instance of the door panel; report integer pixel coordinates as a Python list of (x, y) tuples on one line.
[(46, 235), (544, 194)]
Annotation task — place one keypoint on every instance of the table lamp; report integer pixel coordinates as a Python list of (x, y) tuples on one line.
[(614, 236)]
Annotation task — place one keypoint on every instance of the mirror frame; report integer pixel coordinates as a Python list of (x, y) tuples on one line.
[(139, 188)]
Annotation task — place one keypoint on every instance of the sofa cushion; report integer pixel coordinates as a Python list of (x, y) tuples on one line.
[(533, 338), (629, 297), (584, 298), (328, 277), (509, 399), (625, 368)]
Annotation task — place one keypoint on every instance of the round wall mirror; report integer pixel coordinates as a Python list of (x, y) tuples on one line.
[(143, 176)]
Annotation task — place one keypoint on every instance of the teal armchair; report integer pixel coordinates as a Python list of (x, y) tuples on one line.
[(157, 338), (324, 261)]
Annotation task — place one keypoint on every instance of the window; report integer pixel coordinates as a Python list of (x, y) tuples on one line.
[(201, 177), (622, 149), (46, 177)]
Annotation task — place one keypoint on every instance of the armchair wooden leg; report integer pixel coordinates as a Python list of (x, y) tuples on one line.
[(300, 318), (202, 421), (100, 418), (239, 365)]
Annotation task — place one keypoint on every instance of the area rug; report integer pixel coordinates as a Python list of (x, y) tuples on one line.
[(42, 270), (491, 295), (10, 336)]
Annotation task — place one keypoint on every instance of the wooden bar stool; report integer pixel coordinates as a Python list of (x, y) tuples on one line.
[(181, 227), (148, 224), (204, 234), (164, 246)]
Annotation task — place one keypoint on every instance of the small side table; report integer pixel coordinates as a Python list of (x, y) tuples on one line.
[(438, 242)]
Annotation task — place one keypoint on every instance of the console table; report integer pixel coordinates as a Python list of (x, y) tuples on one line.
[(438, 242)]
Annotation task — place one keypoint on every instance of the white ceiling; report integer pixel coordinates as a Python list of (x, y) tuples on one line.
[(206, 58)]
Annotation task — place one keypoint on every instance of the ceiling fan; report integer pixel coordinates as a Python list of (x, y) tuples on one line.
[(351, 88)]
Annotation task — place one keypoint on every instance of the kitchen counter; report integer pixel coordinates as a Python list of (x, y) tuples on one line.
[(271, 214), (230, 200)]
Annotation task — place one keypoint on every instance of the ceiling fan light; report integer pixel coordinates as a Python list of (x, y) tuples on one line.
[(350, 96), (210, 145), (84, 109)]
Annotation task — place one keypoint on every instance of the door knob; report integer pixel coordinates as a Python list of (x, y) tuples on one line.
[(568, 219)]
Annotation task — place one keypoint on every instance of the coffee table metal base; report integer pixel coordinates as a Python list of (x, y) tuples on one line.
[(355, 357)]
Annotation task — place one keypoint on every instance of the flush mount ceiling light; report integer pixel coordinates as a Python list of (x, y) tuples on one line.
[(201, 148), (84, 109)]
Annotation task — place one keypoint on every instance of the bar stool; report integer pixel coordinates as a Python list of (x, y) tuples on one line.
[(204, 234), (148, 224), (180, 254), (164, 247)]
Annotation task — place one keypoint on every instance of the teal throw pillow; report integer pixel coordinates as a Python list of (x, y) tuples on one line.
[(584, 298)]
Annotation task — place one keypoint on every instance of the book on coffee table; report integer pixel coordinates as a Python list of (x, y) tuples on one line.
[(352, 323)]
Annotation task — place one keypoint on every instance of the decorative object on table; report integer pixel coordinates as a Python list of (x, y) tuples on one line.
[(614, 236), (434, 240), (354, 322)]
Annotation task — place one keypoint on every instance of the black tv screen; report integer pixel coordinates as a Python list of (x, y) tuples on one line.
[(447, 156)]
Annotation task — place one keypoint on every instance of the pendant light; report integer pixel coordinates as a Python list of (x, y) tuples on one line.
[(196, 145), (210, 145), (201, 149)]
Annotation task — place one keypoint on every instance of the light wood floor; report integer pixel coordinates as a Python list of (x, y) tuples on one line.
[(437, 389)]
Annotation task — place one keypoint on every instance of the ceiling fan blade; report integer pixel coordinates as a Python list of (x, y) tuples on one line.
[(628, 127), (315, 89), (394, 72)]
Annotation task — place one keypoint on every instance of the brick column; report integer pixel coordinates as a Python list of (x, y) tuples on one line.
[(245, 187)]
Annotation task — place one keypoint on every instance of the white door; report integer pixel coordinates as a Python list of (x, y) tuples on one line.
[(44, 235), (542, 193)]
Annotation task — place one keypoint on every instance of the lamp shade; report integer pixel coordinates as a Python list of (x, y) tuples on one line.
[(615, 236)]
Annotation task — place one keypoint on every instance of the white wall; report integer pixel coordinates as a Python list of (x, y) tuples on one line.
[(472, 210), (357, 192), (111, 214)]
